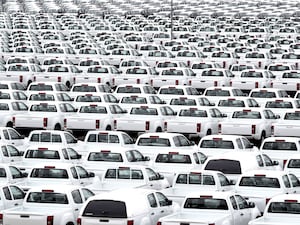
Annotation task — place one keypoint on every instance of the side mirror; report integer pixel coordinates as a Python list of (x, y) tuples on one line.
[(169, 202), (24, 174), (91, 174), (224, 115), (146, 158), (21, 153), (160, 177), (277, 117), (232, 182), (251, 204), (79, 156), (212, 104), (275, 163)]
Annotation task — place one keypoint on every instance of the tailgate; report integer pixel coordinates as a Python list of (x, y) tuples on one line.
[(30, 121), (103, 221), (183, 127), (24, 219), (82, 123)]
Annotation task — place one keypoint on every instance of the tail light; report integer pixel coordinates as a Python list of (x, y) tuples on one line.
[(298, 86), (198, 127), (165, 125), (158, 223), (189, 63), (78, 221), (219, 128), (58, 79), (50, 220), (147, 125), (284, 162), (253, 129), (151, 82), (21, 79), (115, 124), (190, 82), (230, 83), (267, 200), (14, 121), (34, 78), (272, 130), (113, 82), (259, 64), (271, 84), (256, 84), (215, 83), (224, 64), (138, 81), (99, 80), (74, 80), (130, 222), (1, 218), (177, 82), (65, 123), (97, 124), (45, 122)]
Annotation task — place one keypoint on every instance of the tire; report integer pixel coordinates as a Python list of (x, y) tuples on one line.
[(9, 124), (57, 126), (158, 129)]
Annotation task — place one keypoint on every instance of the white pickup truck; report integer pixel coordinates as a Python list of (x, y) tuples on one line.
[(11, 196), (43, 116), (195, 121), (129, 176), (58, 173), (252, 123), (281, 209), (11, 175), (195, 180), (48, 205), (287, 125), (212, 207), (144, 118)]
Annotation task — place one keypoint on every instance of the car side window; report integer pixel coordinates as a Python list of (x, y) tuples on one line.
[(6, 135), (239, 143), (65, 154), (233, 203), (77, 197), (242, 203), (152, 200), (260, 161), (17, 192), (294, 180), (7, 193), (74, 173), (223, 180), (162, 199), (286, 181)]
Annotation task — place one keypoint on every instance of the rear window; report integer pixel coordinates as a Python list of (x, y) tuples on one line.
[(260, 181), (105, 208), (294, 163), (173, 158), (42, 154), (280, 146), (49, 173), (226, 166), (47, 196), (163, 142), (105, 156), (206, 203), (289, 207), (219, 143), (217, 93), (195, 178)]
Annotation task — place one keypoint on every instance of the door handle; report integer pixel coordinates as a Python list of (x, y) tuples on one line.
[(162, 211), (242, 214), (152, 214), (76, 209)]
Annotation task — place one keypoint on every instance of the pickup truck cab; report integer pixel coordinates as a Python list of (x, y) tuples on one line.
[(167, 92), (169, 162), (51, 204), (150, 144), (212, 145), (130, 176), (196, 180), (11, 175), (98, 158), (259, 186), (292, 164), (280, 148), (120, 207), (235, 163), (58, 173), (213, 94), (11, 196), (49, 154), (262, 95), (283, 208), (9, 135), (212, 207)]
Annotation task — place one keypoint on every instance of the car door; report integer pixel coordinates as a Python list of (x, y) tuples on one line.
[(242, 213)]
